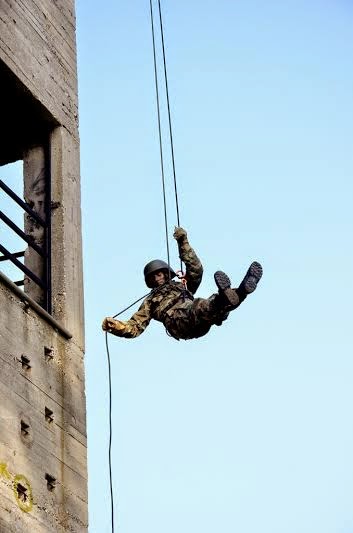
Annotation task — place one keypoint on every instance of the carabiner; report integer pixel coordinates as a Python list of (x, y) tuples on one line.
[(181, 275)]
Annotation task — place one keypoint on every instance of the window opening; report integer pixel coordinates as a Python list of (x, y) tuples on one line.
[(25, 189), (25, 224), (9, 239)]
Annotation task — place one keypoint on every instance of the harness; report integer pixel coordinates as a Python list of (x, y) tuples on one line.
[(184, 294)]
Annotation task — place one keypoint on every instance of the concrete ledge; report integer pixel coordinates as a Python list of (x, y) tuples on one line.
[(36, 307)]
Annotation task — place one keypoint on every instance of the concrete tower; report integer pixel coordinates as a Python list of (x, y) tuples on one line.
[(43, 464)]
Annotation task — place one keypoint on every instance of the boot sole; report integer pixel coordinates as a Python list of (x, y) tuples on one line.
[(224, 286), (252, 277)]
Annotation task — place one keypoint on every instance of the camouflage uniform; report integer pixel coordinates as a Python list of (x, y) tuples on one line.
[(183, 316)]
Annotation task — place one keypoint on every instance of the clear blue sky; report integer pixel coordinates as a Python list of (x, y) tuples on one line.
[(248, 429)]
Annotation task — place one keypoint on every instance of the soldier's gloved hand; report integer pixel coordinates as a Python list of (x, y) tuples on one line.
[(179, 233), (111, 325), (107, 324)]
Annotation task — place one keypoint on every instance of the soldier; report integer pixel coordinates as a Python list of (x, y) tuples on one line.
[(171, 303)]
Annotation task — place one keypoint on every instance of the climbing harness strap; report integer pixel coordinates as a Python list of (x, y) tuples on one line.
[(185, 295), (182, 276)]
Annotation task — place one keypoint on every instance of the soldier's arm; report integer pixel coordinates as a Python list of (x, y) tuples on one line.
[(194, 269), (129, 328)]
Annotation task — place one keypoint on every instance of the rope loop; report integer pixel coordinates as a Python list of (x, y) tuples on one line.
[(182, 276)]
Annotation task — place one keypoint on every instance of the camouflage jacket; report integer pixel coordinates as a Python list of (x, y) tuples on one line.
[(166, 298)]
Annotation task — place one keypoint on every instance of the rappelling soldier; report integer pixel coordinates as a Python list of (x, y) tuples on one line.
[(173, 303)]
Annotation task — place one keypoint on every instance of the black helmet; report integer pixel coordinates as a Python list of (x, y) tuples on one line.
[(155, 266)]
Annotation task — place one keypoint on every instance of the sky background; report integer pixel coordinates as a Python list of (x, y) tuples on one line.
[(248, 429)]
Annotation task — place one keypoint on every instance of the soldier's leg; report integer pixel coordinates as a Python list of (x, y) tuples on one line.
[(227, 296), (236, 296), (189, 322), (206, 312), (214, 310), (250, 281)]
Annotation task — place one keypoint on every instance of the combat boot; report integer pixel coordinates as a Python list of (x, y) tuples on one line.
[(250, 281), (228, 297)]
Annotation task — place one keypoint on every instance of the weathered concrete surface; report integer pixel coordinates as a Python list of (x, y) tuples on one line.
[(66, 233), (34, 174), (37, 42), (56, 447)]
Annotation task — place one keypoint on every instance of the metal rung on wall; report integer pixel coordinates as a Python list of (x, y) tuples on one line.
[(43, 251)]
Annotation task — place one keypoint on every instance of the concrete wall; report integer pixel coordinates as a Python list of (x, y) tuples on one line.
[(57, 447), (37, 42)]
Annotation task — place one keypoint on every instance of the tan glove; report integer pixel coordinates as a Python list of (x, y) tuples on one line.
[(179, 233), (112, 326)]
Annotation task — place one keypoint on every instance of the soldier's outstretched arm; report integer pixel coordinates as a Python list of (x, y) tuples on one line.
[(130, 328), (194, 269)]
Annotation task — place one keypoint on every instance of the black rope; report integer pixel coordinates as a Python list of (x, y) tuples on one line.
[(169, 119), (110, 433), (165, 215), (110, 406), (160, 135), (135, 302), (169, 115)]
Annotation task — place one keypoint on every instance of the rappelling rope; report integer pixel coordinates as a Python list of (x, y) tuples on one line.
[(181, 276), (160, 136), (159, 125), (110, 408), (169, 115), (110, 434)]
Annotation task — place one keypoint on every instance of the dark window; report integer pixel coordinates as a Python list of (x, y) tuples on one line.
[(25, 183)]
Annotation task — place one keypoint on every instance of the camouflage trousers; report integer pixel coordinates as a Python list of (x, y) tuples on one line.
[(194, 318)]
